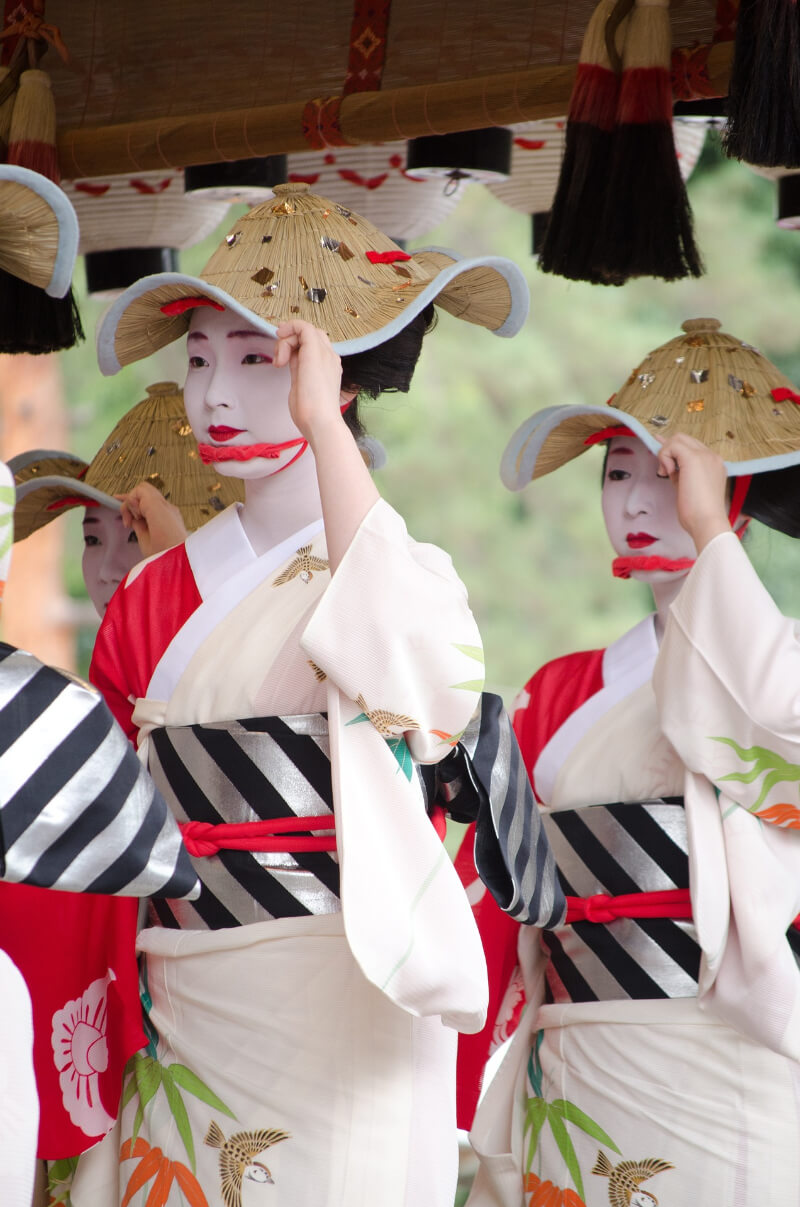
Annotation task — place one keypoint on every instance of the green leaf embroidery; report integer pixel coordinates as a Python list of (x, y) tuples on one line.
[(565, 1147), (188, 1080), (777, 769), (573, 1114), (472, 651), (362, 716), (469, 685), (535, 1115), (147, 1074), (179, 1115), (399, 748)]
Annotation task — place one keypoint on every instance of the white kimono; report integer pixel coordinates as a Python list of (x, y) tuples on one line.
[(687, 1092), (312, 1053)]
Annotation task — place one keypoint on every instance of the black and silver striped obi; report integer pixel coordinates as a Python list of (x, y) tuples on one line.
[(635, 847), (247, 771)]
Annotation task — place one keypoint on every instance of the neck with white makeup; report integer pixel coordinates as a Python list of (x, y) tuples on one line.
[(279, 504)]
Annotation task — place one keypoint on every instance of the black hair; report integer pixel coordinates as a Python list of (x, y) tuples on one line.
[(773, 498), (387, 368)]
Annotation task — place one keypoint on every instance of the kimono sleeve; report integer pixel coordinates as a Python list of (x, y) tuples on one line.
[(78, 811), (727, 682), (395, 634)]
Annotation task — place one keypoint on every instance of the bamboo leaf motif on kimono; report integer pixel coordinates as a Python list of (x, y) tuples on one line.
[(557, 1114), (147, 1074), (399, 748), (180, 1115), (188, 1080), (142, 1174), (476, 653), (535, 1115), (774, 768), (59, 1180), (573, 1114), (565, 1147)]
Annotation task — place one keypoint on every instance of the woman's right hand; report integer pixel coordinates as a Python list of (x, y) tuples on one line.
[(701, 480), (158, 524)]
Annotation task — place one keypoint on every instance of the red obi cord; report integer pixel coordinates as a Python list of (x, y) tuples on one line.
[(671, 903), (276, 835), (204, 839)]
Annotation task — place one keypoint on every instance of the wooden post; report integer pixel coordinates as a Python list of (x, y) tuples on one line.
[(34, 605)]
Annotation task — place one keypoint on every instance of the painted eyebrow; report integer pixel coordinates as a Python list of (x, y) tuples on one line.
[(248, 335), (91, 519), (196, 335)]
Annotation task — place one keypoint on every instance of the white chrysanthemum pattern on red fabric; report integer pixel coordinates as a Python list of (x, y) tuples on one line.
[(80, 1052)]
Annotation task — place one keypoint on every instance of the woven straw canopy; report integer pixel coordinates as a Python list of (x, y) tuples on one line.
[(302, 256), (38, 231), (150, 85), (153, 443), (704, 382)]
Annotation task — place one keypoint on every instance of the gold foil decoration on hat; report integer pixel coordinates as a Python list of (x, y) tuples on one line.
[(233, 239), (263, 276), (696, 405)]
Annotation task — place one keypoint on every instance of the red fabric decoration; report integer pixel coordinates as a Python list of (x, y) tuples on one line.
[(530, 144), (321, 122), (373, 182), (782, 394), (689, 73), (181, 305), (740, 489), (92, 190), (71, 501), (386, 257), (367, 54), (608, 433), (622, 567)]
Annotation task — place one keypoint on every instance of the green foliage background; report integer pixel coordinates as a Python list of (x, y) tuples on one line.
[(537, 563)]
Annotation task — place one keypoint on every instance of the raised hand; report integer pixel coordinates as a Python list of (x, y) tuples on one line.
[(157, 523), (701, 480)]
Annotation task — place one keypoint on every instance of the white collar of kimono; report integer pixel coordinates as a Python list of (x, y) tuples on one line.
[(225, 568), (627, 664), (221, 549)]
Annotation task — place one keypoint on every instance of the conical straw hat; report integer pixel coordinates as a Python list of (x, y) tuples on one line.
[(302, 256), (153, 442), (704, 382), (38, 230)]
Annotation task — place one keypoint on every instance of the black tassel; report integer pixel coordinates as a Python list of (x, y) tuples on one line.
[(567, 245), (31, 321), (764, 91)]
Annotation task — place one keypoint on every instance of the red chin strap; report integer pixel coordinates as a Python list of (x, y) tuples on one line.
[(214, 453), (211, 453), (623, 567)]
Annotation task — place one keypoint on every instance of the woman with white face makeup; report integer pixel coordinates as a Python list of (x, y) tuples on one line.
[(304, 655), (661, 1031)]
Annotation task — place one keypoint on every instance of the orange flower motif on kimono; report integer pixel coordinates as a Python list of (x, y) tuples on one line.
[(776, 770), (545, 1194), (80, 1052)]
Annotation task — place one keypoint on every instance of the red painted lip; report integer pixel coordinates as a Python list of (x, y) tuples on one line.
[(222, 433), (640, 540)]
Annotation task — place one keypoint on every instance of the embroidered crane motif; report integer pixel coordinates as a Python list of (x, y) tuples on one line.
[(301, 566), (624, 1180), (386, 723), (236, 1158)]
